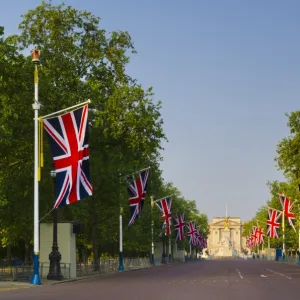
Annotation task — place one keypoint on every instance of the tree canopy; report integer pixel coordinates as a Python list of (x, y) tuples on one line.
[(79, 60)]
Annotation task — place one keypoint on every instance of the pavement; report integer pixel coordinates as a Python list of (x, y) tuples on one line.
[(210, 280)]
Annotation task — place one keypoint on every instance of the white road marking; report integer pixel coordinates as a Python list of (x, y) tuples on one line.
[(288, 277), (239, 274), (263, 276)]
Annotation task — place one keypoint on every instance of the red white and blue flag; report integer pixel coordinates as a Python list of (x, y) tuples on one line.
[(260, 236), (192, 232), (179, 227), (68, 138), (164, 205), (273, 222), (254, 236), (249, 242), (287, 206), (137, 188)]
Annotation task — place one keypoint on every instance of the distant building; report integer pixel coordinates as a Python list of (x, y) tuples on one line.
[(225, 237)]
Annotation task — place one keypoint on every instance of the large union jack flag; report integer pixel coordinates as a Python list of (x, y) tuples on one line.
[(70, 150), (273, 222), (137, 188), (164, 205), (287, 206), (179, 227)]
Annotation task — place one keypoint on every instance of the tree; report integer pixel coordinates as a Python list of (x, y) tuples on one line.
[(79, 61), (288, 150)]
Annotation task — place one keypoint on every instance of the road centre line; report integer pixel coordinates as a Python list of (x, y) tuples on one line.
[(288, 277), (239, 274)]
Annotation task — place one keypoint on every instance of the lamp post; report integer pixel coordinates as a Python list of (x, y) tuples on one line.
[(36, 106), (54, 256), (152, 225)]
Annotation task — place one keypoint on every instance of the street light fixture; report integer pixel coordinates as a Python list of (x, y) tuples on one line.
[(54, 256)]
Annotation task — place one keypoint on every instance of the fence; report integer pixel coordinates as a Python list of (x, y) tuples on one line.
[(111, 265), (24, 272)]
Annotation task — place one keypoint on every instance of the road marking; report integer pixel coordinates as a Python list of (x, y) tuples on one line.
[(263, 276), (288, 277), (239, 274)]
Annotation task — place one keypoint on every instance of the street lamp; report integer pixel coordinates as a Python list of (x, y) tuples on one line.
[(54, 256)]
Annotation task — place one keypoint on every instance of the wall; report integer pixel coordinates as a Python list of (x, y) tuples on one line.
[(66, 247)]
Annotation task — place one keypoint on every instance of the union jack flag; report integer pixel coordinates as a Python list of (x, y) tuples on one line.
[(137, 191), (273, 222), (249, 242), (254, 236), (202, 243), (179, 227), (287, 207), (164, 205), (260, 235), (68, 138), (192, 232)]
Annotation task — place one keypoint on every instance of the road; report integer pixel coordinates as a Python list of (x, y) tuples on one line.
[(210, 280)]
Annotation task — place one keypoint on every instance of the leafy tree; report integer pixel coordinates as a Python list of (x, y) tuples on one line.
[(288, 158), (79, 60)]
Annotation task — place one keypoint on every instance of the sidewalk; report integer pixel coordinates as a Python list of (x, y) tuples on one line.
[(14, 285)]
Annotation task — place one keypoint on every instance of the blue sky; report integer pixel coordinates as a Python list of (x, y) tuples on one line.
[(226, 72)]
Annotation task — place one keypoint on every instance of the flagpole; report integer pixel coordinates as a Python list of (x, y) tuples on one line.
[(65, 109), (152, 243), (170, 249), (283, 237), (137, 172), (163, 198), (268, 256), (35, 54), (121, 265)]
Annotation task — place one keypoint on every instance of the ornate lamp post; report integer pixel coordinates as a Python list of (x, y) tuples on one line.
[(54, 256)]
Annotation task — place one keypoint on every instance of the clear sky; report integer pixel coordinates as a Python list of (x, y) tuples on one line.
[(226, 71)]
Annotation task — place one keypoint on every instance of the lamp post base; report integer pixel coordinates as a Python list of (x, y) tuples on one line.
[(121, 266), (35, 277), (54, 271)]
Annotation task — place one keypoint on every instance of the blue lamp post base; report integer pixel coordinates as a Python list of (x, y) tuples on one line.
[(121, 266), (35, 277)]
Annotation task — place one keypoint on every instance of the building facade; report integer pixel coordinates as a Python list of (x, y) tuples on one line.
[(226, 236)]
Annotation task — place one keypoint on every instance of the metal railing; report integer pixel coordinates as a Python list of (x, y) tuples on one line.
[(24, 272), (108, 265)]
